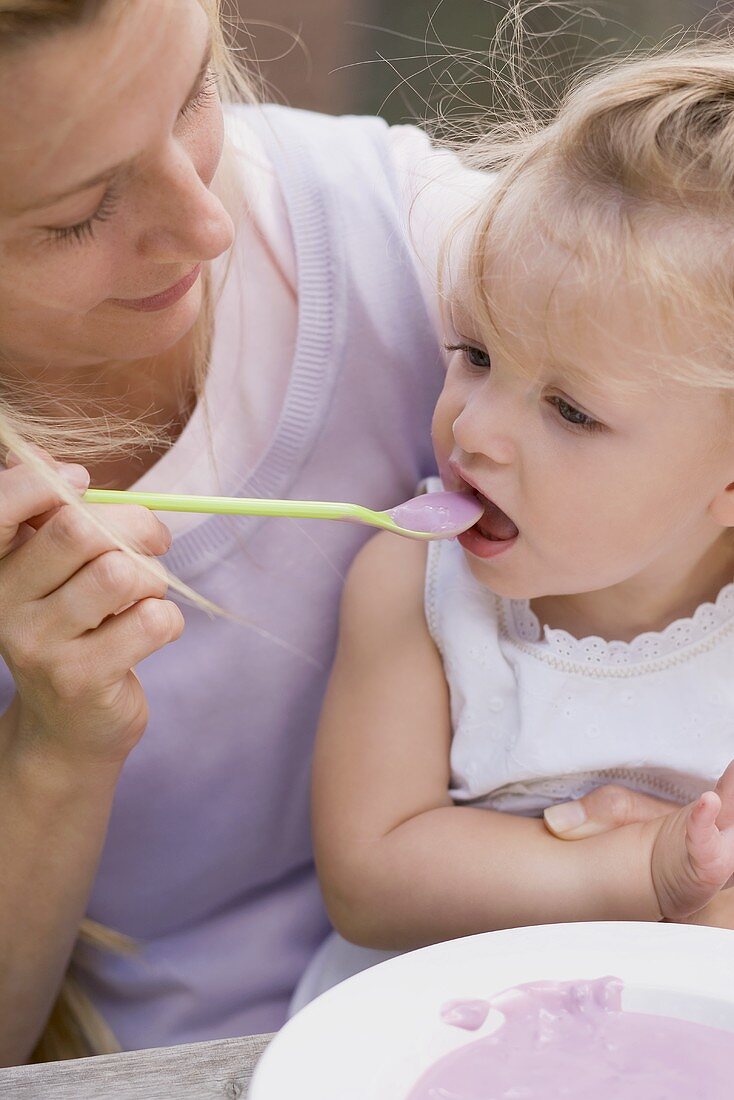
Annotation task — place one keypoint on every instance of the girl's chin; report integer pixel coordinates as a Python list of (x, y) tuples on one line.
[(508, 583)]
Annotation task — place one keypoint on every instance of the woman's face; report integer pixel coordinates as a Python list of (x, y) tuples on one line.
[(109, 140)]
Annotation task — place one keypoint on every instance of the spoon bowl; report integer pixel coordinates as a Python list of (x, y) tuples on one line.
[(430, 516)]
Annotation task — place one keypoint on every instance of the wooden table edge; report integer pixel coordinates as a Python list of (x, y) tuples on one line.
[(222, 1068)]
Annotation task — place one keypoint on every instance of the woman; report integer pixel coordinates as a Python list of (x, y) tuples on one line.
[(192, 310)]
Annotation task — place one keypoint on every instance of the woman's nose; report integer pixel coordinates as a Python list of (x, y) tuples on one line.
[(483, 428), (187, 222)]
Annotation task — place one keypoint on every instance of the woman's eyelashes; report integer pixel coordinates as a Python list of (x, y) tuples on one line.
[(206, 94), (84, 231)]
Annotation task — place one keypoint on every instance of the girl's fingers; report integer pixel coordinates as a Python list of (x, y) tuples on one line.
[(725, 791), (25, 494), (711, 852), (69, 539), (701, 824), (105, 586), (120, 643)]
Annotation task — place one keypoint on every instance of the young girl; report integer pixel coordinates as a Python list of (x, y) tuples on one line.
[(141, 334), (583, 631)]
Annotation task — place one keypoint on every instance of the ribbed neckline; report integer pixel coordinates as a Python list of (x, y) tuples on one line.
[(319, 299)]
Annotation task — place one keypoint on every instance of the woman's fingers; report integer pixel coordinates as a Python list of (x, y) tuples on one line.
[(69, 539), (105, 586), (603, 809), (25, 494), (121, 642)]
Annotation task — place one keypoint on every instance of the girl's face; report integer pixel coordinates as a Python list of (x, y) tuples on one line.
[(109, 140), (603, 483)]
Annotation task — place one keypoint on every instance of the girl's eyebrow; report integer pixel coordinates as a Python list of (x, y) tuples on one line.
[(110, 173)]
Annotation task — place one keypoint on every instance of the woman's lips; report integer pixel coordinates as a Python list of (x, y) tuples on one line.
[(163, 300)]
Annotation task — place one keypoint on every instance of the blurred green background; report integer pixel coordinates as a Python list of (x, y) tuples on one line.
[(404, 58)]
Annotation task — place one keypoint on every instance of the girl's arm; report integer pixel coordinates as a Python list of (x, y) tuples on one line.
[(400, 865)]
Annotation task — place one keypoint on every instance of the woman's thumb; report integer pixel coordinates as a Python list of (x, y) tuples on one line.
[(603, 809)]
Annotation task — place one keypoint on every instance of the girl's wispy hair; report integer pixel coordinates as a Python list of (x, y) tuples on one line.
[(630, 173)]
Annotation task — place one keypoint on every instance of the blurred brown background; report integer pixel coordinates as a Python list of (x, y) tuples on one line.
[(401, 57)]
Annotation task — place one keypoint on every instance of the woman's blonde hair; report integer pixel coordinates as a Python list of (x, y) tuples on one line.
[(74, 1029), (632, 175)]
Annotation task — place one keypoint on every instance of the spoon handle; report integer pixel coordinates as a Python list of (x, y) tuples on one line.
[(235, 506)]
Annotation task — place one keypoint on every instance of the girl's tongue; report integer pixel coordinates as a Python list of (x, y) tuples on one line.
[(494, 524)]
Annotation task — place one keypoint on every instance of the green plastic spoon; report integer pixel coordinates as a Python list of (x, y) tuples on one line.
[(431, 516)]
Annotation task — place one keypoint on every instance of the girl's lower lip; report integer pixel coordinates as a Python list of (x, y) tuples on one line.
[(164, 299), (475, 543)]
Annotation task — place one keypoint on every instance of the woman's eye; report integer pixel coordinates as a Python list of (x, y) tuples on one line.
[(477, 357), (575, 416), (85, 230), (203, 98)]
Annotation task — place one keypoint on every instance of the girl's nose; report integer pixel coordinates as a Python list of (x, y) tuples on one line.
[(187, 222), (481, 428)]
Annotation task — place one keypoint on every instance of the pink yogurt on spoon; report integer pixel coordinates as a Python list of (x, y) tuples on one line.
[(442, 514), (572, 1041)]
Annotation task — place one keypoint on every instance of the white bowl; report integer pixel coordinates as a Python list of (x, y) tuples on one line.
[(371, 1037)]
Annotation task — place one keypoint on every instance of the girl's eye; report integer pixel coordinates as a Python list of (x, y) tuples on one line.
[(477, 357), (575, 416)]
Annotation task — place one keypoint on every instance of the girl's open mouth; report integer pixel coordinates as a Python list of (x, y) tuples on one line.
[(492, 534)]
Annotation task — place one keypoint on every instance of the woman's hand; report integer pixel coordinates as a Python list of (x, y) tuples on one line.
[(605, 808), (76, 615)]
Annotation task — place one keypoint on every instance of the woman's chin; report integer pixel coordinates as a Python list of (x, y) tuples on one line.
[(138, 335)]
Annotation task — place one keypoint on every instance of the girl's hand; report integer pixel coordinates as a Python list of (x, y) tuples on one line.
[(604, 809), (76, 614), (693, 854)]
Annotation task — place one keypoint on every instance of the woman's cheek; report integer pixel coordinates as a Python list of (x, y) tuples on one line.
[(72, 281)]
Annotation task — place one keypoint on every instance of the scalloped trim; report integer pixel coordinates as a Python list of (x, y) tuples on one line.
[(650, 646)]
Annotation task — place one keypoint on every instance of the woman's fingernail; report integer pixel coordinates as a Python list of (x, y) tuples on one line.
[(565, 817), (75, 476)]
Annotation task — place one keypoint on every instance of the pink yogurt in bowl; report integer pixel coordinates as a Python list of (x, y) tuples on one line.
[(381, 1035), (573, 1041)]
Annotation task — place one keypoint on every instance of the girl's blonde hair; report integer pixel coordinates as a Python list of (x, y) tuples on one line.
[(632, 175), (74, 1029)]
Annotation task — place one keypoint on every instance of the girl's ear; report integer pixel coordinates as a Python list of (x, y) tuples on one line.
[(722, 506)]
